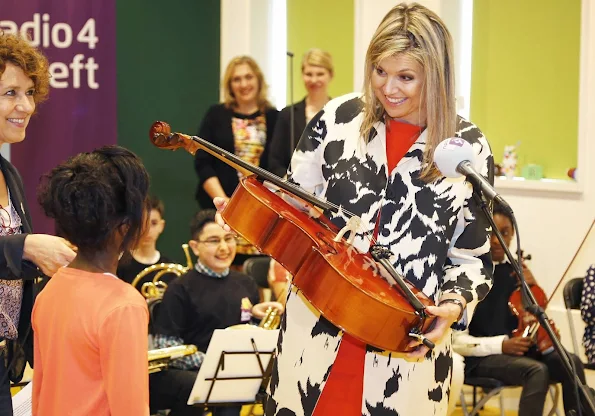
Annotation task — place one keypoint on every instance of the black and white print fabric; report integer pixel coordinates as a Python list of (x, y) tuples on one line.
[(440, 242), (588, 313)]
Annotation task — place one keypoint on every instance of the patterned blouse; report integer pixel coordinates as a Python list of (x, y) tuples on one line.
[(250, 135), (588, 313), (11, 291)]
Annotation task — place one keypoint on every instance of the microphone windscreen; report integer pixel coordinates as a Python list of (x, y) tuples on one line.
[(450, 153)]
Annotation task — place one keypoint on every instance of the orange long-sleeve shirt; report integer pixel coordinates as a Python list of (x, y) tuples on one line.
[(90, 347)]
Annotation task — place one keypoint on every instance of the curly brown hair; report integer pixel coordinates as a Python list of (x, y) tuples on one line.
[(18, 51), (92, 195)]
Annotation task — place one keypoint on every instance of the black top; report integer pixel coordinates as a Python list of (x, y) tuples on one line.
[(129, 267), (216, 128), (194, 305), (281, 149), (12, 266), (492, 316)]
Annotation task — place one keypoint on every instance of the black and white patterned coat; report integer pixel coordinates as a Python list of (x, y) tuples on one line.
[(441, 245)]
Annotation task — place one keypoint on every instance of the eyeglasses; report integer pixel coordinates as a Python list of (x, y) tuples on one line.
[(229, 239), (5, 220)]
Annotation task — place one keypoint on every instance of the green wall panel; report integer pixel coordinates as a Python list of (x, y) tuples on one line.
[(525, 79), (168, 69), (327, 25)]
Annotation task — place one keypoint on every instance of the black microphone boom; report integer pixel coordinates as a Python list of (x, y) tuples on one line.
[(291, 109), (481, 184)]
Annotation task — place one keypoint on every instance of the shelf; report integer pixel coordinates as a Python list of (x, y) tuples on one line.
[(542, 185)]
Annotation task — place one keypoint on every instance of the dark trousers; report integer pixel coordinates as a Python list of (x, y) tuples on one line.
[(5, 397), (534, 375), (170, 389)]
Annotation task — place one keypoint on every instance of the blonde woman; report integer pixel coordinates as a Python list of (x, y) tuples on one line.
[(372, 155), (317, 73), (243, 124)]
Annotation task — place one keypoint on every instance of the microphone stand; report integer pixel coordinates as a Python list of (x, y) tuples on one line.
[(531, 306), (291, 110)]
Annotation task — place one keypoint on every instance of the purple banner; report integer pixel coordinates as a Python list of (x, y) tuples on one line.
[(79, 39)]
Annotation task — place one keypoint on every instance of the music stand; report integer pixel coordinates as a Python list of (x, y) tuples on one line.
[(237, 366)]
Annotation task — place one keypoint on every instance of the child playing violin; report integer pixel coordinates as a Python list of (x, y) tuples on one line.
[(491, 350)]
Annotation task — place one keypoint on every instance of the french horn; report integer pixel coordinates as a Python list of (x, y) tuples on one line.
[(156, 288)]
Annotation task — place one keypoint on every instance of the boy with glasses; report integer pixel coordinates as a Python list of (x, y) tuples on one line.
[(212, 296)]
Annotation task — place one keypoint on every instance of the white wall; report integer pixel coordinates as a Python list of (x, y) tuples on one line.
[(257, 28)]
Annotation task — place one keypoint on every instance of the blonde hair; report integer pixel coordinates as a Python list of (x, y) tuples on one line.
[(417, 32), (318, 57), (228, 98)]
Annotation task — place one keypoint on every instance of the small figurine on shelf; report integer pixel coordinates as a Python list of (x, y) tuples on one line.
[(509, 163)]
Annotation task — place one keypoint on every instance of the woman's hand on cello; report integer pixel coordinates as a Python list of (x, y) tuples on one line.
[(220, 204), (446, 315)]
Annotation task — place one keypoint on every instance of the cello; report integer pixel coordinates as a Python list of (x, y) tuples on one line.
[(528, 325), (360, 293)]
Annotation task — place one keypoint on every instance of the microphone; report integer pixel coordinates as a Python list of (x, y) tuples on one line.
[(290, 54), (454, 157)]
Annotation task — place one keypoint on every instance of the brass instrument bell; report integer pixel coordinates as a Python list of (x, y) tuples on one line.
[(155, 289)]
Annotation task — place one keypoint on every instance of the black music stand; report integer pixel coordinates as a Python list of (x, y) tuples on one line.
[(236, 369)]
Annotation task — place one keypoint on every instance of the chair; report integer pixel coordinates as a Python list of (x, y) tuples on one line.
[(572, 292), (258, 268), (492, 387)]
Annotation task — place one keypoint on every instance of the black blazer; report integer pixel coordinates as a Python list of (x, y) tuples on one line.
[(281, 151), (216, 128), (12, 266)]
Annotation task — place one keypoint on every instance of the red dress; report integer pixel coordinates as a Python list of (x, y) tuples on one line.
[(343, 391)]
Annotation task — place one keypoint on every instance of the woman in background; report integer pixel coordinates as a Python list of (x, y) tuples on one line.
[(243, 125), (24, 83), (317, 73), (91, 328)]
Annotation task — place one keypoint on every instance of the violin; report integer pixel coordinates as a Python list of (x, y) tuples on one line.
[(360, 293), (528, 325)]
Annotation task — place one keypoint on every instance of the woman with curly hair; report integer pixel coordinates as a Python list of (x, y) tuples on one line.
[(91, 327), (24, 83)]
